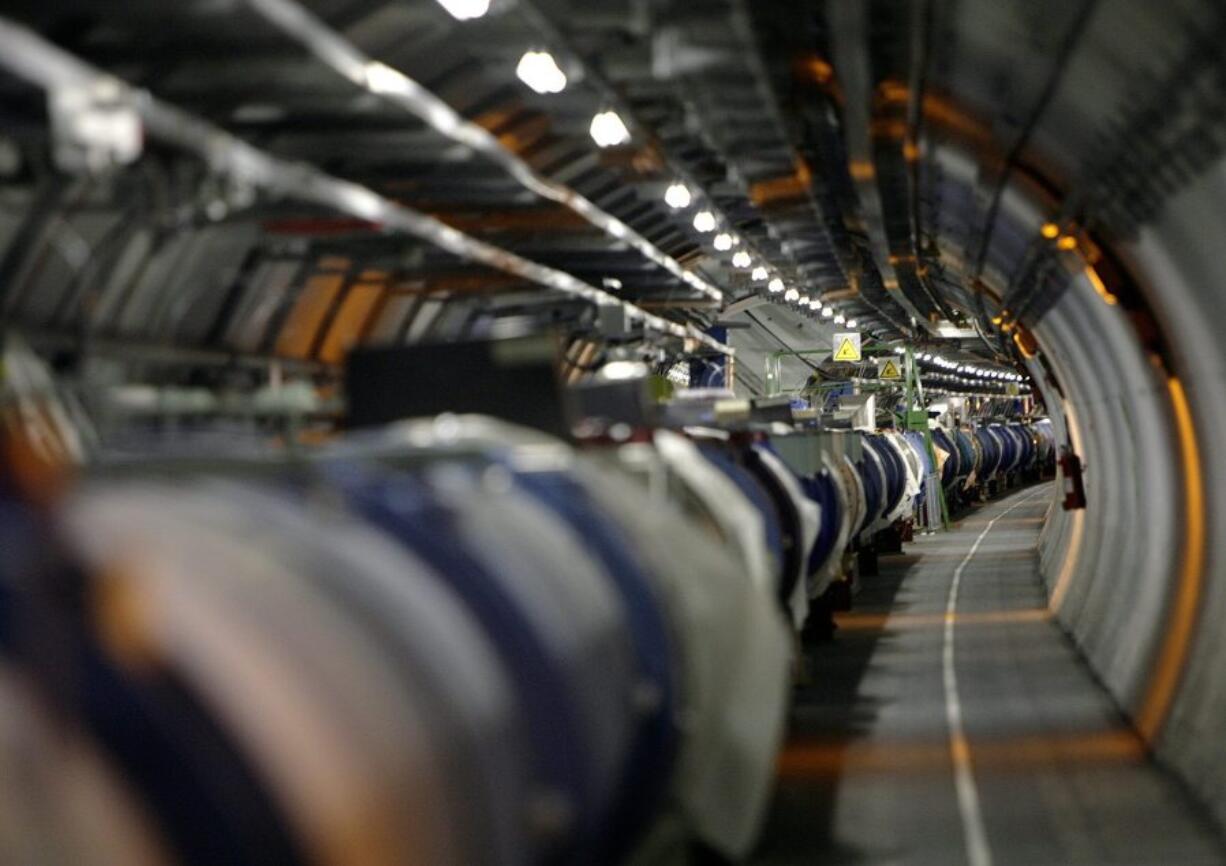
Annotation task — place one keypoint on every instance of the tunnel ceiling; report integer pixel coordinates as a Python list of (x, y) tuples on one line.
[(925, 167)]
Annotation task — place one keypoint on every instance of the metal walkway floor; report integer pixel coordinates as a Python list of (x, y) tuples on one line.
[(980, 738)]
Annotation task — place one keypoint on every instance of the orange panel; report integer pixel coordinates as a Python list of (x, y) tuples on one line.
[(301, 327), (350, 321)]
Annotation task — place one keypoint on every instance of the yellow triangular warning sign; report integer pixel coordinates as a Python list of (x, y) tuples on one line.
[(847, 351), (889, 370)]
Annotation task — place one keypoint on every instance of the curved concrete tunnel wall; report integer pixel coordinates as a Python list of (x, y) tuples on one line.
[(1138, 579), (1179, 259), (1112, 597), (1132, 578)]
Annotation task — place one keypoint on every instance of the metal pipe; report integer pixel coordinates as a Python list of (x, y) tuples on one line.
[(27, 55), (332, 49)]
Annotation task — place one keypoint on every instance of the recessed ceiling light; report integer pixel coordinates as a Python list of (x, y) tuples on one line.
[(465, 10), (540, 71), (608, 129), (677, 196)]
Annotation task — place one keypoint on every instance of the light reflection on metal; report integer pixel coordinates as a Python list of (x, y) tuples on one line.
[(27, 55), (332, 49)]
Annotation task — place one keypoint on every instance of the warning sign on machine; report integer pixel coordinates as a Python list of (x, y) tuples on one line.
[(847, 346), (889, 369)]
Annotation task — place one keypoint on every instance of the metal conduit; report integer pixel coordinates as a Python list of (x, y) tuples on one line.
[(27, 55)]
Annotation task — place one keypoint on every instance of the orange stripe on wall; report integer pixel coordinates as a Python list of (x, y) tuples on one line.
[(1181, 622), (350, 321), (301, 327)]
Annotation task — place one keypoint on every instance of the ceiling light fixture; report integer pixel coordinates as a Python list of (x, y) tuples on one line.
[(791, 295), (851, 323), (839, 319), (465, 10), (723, 242), (608, 129), (677, 196), (759, 274), (827, 312), (704, 221), (775, 286), (741, 259), (540, 71)]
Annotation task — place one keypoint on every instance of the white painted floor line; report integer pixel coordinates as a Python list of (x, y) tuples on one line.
[(978, 852)]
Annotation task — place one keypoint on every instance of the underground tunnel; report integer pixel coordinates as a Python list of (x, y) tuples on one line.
[(648, 432)]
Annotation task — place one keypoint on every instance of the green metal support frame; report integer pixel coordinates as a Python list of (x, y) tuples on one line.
[(917, 420), (915, 415)]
